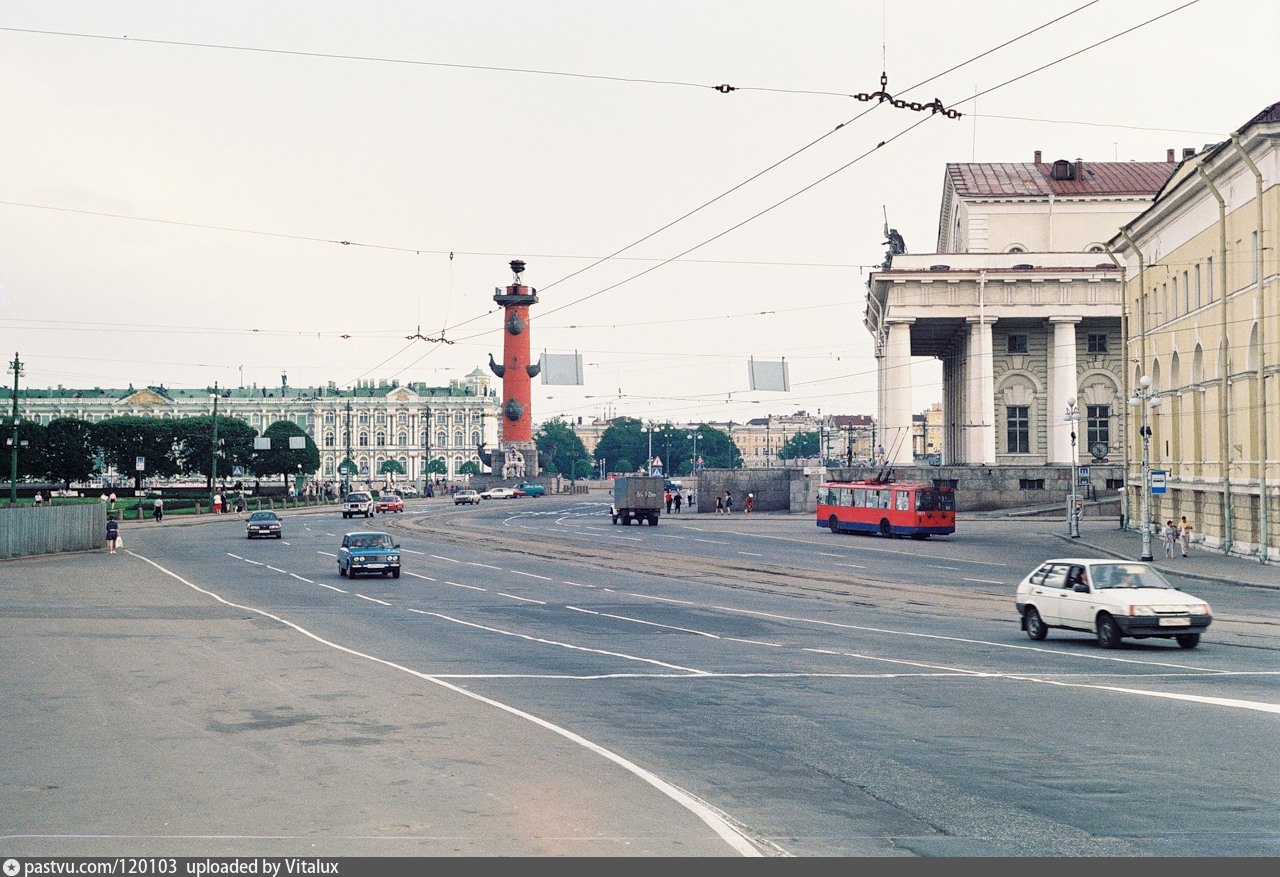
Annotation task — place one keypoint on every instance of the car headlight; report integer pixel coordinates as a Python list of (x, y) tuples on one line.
[(357, 560), (1201, 609), (395, 558), (1141, 610)]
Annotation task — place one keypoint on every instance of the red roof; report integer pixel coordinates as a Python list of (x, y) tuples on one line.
[(1015, 179)]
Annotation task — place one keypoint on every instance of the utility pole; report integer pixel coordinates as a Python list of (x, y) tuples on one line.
[(346, 464), (16, 368), (213, 467)]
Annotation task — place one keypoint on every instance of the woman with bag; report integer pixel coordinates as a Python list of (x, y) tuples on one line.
[(113, 533)]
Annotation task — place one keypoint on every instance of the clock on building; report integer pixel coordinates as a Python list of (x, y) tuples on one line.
[(1099, 450)]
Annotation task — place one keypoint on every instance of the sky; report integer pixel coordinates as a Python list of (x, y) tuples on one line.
[(227, 192)]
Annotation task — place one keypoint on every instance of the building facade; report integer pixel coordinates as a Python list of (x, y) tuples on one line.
[(368, 424), (1203, 321), (1021, 304)]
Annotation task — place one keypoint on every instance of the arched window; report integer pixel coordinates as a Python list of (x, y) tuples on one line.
[(404, 439), (475, 437), (1016, 248), (364, 439), (441, 440), (425, 438), (328, 467), (328, 439), (457, 439), (381, 439)]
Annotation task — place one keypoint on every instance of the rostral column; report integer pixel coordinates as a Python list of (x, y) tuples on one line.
[(517, 455)]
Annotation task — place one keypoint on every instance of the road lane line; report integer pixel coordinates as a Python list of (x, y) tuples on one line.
[(709, 541), (850, 565), (939, 566), (754, 642), (332, 588), (326, 553), (750, 554), (277, 569), (254, 562), (372, 599), (418, 575), (411, 551), (531, 575), (282, 542), (301, 579), (716, 822), (485, 565), (236, 556), (985, 581), (450, 559), (522, 599), (653, 624), (471, 587), (577, 585)]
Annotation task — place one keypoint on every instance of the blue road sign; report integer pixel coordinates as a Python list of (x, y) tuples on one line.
[(1158, 480)]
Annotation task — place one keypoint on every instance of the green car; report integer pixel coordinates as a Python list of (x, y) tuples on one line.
[(369, 552), (530, 488)]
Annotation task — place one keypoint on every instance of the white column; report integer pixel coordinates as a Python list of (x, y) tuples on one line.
[(896, 425), (981, 420), (1063, 385)]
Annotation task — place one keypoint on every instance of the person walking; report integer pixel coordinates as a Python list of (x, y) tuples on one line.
[(111, 502), (1170, 537), (217, 503), (748, 504), (667, 498), (677, 500), (240, 506), (113, 533), (38, 500), (728, 503), (157, 510), (719, 505), (1184, 530)]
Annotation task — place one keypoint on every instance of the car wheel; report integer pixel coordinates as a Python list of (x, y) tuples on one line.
[(1035, 625), (395, 574), (279, 535), (1188, 640), (1108, 632), (884, 527)]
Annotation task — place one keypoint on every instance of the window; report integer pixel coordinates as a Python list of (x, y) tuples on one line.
[(475, 438), (1115, 484), (404, 439), (328, 439), (1031, 484), (903, 500), (1208, 279), (1173, 305), (1164, 302), (403, 420), (382, 439), (1016, 343), (1095, 248), (1018, 424), (364, 439), (1097, 342), (1253, 262), (1015, 249), (364, 419), (1186, 292), (382, 417), (860, 497), (457, 439), (1098, 424), (1198, 302), (426, 437), (328, 418), (441, 439)]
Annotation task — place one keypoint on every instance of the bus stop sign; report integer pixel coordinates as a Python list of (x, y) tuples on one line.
[(1157, 481)]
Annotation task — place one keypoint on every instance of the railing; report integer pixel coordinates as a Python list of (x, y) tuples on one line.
[(28, 531)]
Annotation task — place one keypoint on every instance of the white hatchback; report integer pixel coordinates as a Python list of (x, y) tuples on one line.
[(1111, 599)]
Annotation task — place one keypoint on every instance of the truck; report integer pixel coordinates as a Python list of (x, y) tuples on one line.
[(637, 498)]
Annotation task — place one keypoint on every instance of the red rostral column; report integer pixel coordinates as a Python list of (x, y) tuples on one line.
[(516, 372)]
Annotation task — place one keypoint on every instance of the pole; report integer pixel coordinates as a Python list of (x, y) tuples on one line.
[(213, 467), (16, 368), (1073, 519)]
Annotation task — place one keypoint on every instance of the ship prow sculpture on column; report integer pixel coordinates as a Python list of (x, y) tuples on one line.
[(516, 455)]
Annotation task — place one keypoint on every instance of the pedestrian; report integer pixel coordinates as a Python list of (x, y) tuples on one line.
[(1184, 530), (678, 500), (693, 498), (667, 498), (728, 503), (111, 501), (157, 510), (748, 503), (113, 533), (217, 503), (719, 504), (38, 500), (1170, 537), (240, 506)]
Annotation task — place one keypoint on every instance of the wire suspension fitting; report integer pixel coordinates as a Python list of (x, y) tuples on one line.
[(935, 105)]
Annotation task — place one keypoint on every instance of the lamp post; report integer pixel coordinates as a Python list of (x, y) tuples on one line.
[(16, 368), (1073, 518), (213, 466), (693, 462), (1145, 396)]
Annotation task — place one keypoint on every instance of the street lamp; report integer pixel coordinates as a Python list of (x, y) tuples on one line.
[(213, 466), (1073, 518), (693, 462), (1145, 396)]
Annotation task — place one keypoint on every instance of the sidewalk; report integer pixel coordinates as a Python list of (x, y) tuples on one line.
[(1201, 563)]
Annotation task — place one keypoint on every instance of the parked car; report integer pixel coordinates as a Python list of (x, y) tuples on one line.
[(530, 488), (358, 504), (407, 492), (369, 552), (389, 502), (498, 493), (264, 524), (1111, 599), (468, 496)]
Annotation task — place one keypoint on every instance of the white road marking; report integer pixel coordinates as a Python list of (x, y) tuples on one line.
[(282, 542), (418, 575), (642, 621), (450, 559), (332, 535), (471, 587), (719, 824), (332, 588), (485, 565), (754, 642), (709, 541), (372, 600), (277, 569), (576, 585), (326, 554), (522, 599), (236, 556), (254, 562), (850, 565), (411, 551), (531, 575), (301, 579), (985, 581), (669, 536), (939, 566), (750, 554)]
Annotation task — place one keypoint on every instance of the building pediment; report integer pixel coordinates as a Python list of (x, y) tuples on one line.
[(402, 395), (144, 397)]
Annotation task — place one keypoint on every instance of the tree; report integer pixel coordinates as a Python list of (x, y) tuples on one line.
[(283, 460), (558, 445), (390, 467), (625, 440), (32, 461), (437, 467), (122, 439), (471, 467), (70, 451), (717, 449), (582, 468), (194, 439), (802, 444)]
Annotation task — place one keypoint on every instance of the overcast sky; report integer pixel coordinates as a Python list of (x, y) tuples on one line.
[(170, 211)]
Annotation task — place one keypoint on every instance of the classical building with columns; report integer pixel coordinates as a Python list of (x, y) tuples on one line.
[(1022, 305)]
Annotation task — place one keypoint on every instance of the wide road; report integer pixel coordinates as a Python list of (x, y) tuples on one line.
[(542, 682)]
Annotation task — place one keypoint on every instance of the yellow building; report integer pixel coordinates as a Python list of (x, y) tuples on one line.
[(1201, 326)]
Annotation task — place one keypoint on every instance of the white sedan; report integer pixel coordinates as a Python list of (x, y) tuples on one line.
[(1110, 599), (498, 493)]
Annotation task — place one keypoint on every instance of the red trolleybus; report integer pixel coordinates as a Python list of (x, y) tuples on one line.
[(887, 508)]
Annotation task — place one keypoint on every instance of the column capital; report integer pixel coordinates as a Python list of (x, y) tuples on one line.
[(975, 321), (1064, 319), (899, 321)]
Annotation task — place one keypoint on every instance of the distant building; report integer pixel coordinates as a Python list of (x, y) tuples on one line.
[(411, 423)]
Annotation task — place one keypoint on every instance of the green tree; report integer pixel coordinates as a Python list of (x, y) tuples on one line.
[(194, 439), (32, 460), (283, 460), (582, 468), (625, 440), (802, 444), (388, 467), (437, 467), (558, 445), (70, 451), (121, 439), (717, 449), (471, 467)]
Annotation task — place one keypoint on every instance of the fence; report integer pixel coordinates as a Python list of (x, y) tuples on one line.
[(25, 531)]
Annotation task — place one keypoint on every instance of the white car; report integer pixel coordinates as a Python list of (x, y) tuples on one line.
[(498, 493), (407, 492), (359, 503), (1110, 599)]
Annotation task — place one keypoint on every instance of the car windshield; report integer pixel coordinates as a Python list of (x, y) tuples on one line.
[(1127, 575), (376, 540), (262, 516), (357, 497)]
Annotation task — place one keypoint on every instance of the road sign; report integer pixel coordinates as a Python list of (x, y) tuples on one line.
[(262, 443), (237, 471), (1157, 480), (1084, 474), (140, 463)]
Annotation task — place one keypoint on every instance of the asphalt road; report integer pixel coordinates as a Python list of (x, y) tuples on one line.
[(540, 682)]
